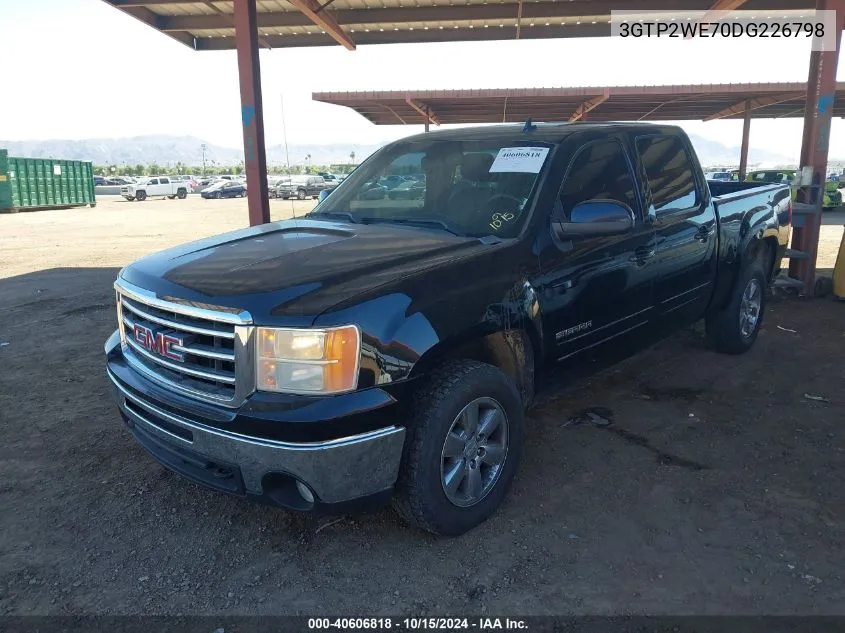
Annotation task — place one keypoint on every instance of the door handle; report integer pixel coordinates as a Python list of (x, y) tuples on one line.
[(643, 254), (703, 233)]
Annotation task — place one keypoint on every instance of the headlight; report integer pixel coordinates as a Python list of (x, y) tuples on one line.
[(318, 361)]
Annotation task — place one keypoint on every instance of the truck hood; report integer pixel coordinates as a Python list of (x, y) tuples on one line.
[(288, 273)]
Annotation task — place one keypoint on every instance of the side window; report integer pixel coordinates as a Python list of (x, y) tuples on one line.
[(598, 172), (154, 181), (669, 172), (164, 181)]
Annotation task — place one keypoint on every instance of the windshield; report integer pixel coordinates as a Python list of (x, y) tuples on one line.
[(473, 188)]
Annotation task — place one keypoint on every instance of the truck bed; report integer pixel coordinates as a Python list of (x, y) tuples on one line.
[(735, 196)]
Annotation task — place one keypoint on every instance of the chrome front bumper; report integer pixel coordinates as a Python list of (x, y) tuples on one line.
[(336, 471)]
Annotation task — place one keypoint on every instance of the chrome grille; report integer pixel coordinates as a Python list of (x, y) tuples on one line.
[(206, 349)]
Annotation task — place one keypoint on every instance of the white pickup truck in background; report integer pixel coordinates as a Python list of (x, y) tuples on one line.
[(156, 186)]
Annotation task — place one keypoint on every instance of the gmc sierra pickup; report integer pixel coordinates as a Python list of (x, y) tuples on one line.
[(388, 346)]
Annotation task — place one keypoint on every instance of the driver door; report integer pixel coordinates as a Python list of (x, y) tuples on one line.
[(597, 288)]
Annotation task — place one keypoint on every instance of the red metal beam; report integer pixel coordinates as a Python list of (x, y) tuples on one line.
[(152, 19), (588, 105), (252, 112), (313, 11), (821, 93), (753, 104), (424, 110)]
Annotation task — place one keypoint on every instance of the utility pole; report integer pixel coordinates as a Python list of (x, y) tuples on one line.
[(203, 147)]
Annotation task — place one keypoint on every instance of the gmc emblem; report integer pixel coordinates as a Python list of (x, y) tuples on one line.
[(158, 342)]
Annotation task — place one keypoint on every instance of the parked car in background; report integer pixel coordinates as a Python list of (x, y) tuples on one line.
[(157, 186), (332, 180), (99, 181), (301, 187), (224, 189), (206, 181), (190, 181), (410, 189), (718, 175), (832, 196), (119, 180)]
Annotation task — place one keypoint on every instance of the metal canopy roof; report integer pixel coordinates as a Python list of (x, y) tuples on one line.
[(618, 103), (209, 25)]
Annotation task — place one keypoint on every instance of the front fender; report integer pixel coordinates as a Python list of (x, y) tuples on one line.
[(400, 342)]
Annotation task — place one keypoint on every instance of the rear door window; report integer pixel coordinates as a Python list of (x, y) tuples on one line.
[(670, 173)]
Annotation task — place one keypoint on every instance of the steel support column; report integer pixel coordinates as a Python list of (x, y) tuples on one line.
[(252, 111), (746, 133), (821, 91)]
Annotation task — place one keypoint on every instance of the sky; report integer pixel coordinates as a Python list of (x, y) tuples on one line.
[(81, 69)]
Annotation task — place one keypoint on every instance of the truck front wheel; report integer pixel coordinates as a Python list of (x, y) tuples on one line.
[(140, 196), (734, 329), (462, 448)]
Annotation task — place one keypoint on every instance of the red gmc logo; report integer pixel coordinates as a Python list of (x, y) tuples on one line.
[(158, 342)]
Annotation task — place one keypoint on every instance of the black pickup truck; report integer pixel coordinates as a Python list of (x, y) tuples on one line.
[(387, 346)]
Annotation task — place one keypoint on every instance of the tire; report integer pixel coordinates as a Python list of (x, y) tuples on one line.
[(421, 498), (140, 196), (301, 194), (218, 195), (182, 194), (728, 331), (130, 198)]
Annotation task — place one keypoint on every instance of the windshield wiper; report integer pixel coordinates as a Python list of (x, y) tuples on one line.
[(342, 215), (440, 224)]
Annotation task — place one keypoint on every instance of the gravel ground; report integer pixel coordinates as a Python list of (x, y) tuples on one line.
[(717, 487)]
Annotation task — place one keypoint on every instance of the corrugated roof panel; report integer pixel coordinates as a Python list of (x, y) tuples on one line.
[(182, 8)]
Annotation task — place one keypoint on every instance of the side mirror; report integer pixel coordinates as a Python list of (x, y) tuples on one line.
[(594, 218)]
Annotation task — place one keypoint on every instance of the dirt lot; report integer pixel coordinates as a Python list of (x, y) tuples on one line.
[(719, 487)]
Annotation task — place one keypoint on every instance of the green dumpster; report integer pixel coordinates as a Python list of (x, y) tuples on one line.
[(44, 183)]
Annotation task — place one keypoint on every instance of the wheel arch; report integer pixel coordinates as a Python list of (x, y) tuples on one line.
[(513, 351)]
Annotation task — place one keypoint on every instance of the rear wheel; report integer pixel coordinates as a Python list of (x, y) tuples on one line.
[(734, 329), (140, 196), (171, 197), (462, 448), (182, 194)]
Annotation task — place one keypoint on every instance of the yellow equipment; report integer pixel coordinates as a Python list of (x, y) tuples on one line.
[(839, 272)]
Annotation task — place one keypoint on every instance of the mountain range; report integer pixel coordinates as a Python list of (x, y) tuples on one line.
[(168, 150)]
